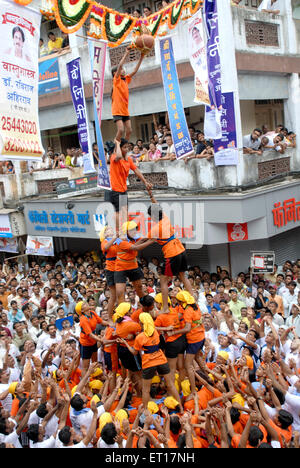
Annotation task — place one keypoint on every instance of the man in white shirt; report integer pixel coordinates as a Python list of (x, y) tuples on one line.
[(269, 6), (52, 339), (36, 296), (290, 297)]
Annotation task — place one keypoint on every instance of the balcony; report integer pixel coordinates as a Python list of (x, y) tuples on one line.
[(197, 175), (263, 33)]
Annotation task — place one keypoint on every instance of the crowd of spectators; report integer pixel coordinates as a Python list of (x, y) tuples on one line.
[(262, 139), (247, 378)]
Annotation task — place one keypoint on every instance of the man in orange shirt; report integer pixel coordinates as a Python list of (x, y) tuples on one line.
[(126, 263), (120, 96), (88, 340), (174, 252), (120, 165)]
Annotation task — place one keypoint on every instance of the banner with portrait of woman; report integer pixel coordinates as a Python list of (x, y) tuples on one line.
[(19, 75)]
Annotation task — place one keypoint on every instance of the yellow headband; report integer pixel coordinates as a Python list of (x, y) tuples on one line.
[(171, 403), (105, 418), (148, 323), (152, 407), (223, 355), (102, 234), (185, 298), (186, 388), (78, 307), (128, 226), (96, 385), (12, 387), (159, 300), (121, 310), (121, 416)]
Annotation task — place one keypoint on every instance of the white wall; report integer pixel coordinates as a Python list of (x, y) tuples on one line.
[(248, 116)]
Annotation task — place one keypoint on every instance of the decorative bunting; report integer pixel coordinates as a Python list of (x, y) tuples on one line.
[(174, 16), (111, 25)]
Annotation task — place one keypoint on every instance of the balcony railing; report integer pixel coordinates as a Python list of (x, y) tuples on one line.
[(195, 176)]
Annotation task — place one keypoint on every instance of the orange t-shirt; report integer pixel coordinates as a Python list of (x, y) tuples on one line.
[(197, 332), (110, 335), (119, 171), (4, 300), (120, 95), (154, 356), (126, 258), (110, 255), (236, 439), (88, 325), (167, 320), (286, 433), (136, 314), (163, 231), (124, 329)]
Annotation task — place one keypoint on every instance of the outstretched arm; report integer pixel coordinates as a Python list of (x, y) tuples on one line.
[(123, 60), (137, 66)]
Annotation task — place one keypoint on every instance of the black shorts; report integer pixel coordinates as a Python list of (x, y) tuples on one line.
[(193, 348), (173, 348), (115, 198), (132, 275), (124, 118), (128, 360), (150, 372), (86, 352), (174, 265), (110, 277), (107, 360)]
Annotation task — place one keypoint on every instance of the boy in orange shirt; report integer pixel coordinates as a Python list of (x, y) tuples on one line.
[(174, 252), (120, 96), (120, 165)]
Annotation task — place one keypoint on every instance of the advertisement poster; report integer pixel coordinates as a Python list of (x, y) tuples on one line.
[(9, 245), (49, 77), (5, 227), (19, 74), (226, 151), (40, 246), (198, 58)]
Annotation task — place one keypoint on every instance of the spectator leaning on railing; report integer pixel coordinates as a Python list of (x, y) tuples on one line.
[(269, 6), (252, 142), (54, 43)]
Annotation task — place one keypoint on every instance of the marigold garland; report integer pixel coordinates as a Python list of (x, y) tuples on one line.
[(77, 26), (101, 18), (23, 2)]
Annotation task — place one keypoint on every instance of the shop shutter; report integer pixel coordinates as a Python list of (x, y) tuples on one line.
[(199, 257), (286, 246)]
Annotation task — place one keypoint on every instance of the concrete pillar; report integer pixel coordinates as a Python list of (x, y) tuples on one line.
[(290, 27), (229, 74), (291, 109)]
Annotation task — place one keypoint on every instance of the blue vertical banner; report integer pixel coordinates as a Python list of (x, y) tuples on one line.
[(226, 151), (211, 21), (212, 125), (77, 93), (178, 125), (97, 51)]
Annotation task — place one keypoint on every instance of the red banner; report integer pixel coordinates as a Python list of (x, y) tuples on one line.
[(15, 19), (237, 232)]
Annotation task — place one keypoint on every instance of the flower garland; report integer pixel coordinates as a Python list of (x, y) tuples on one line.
[(70, 15), (174, 16), (116, 27), (23, 2)]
